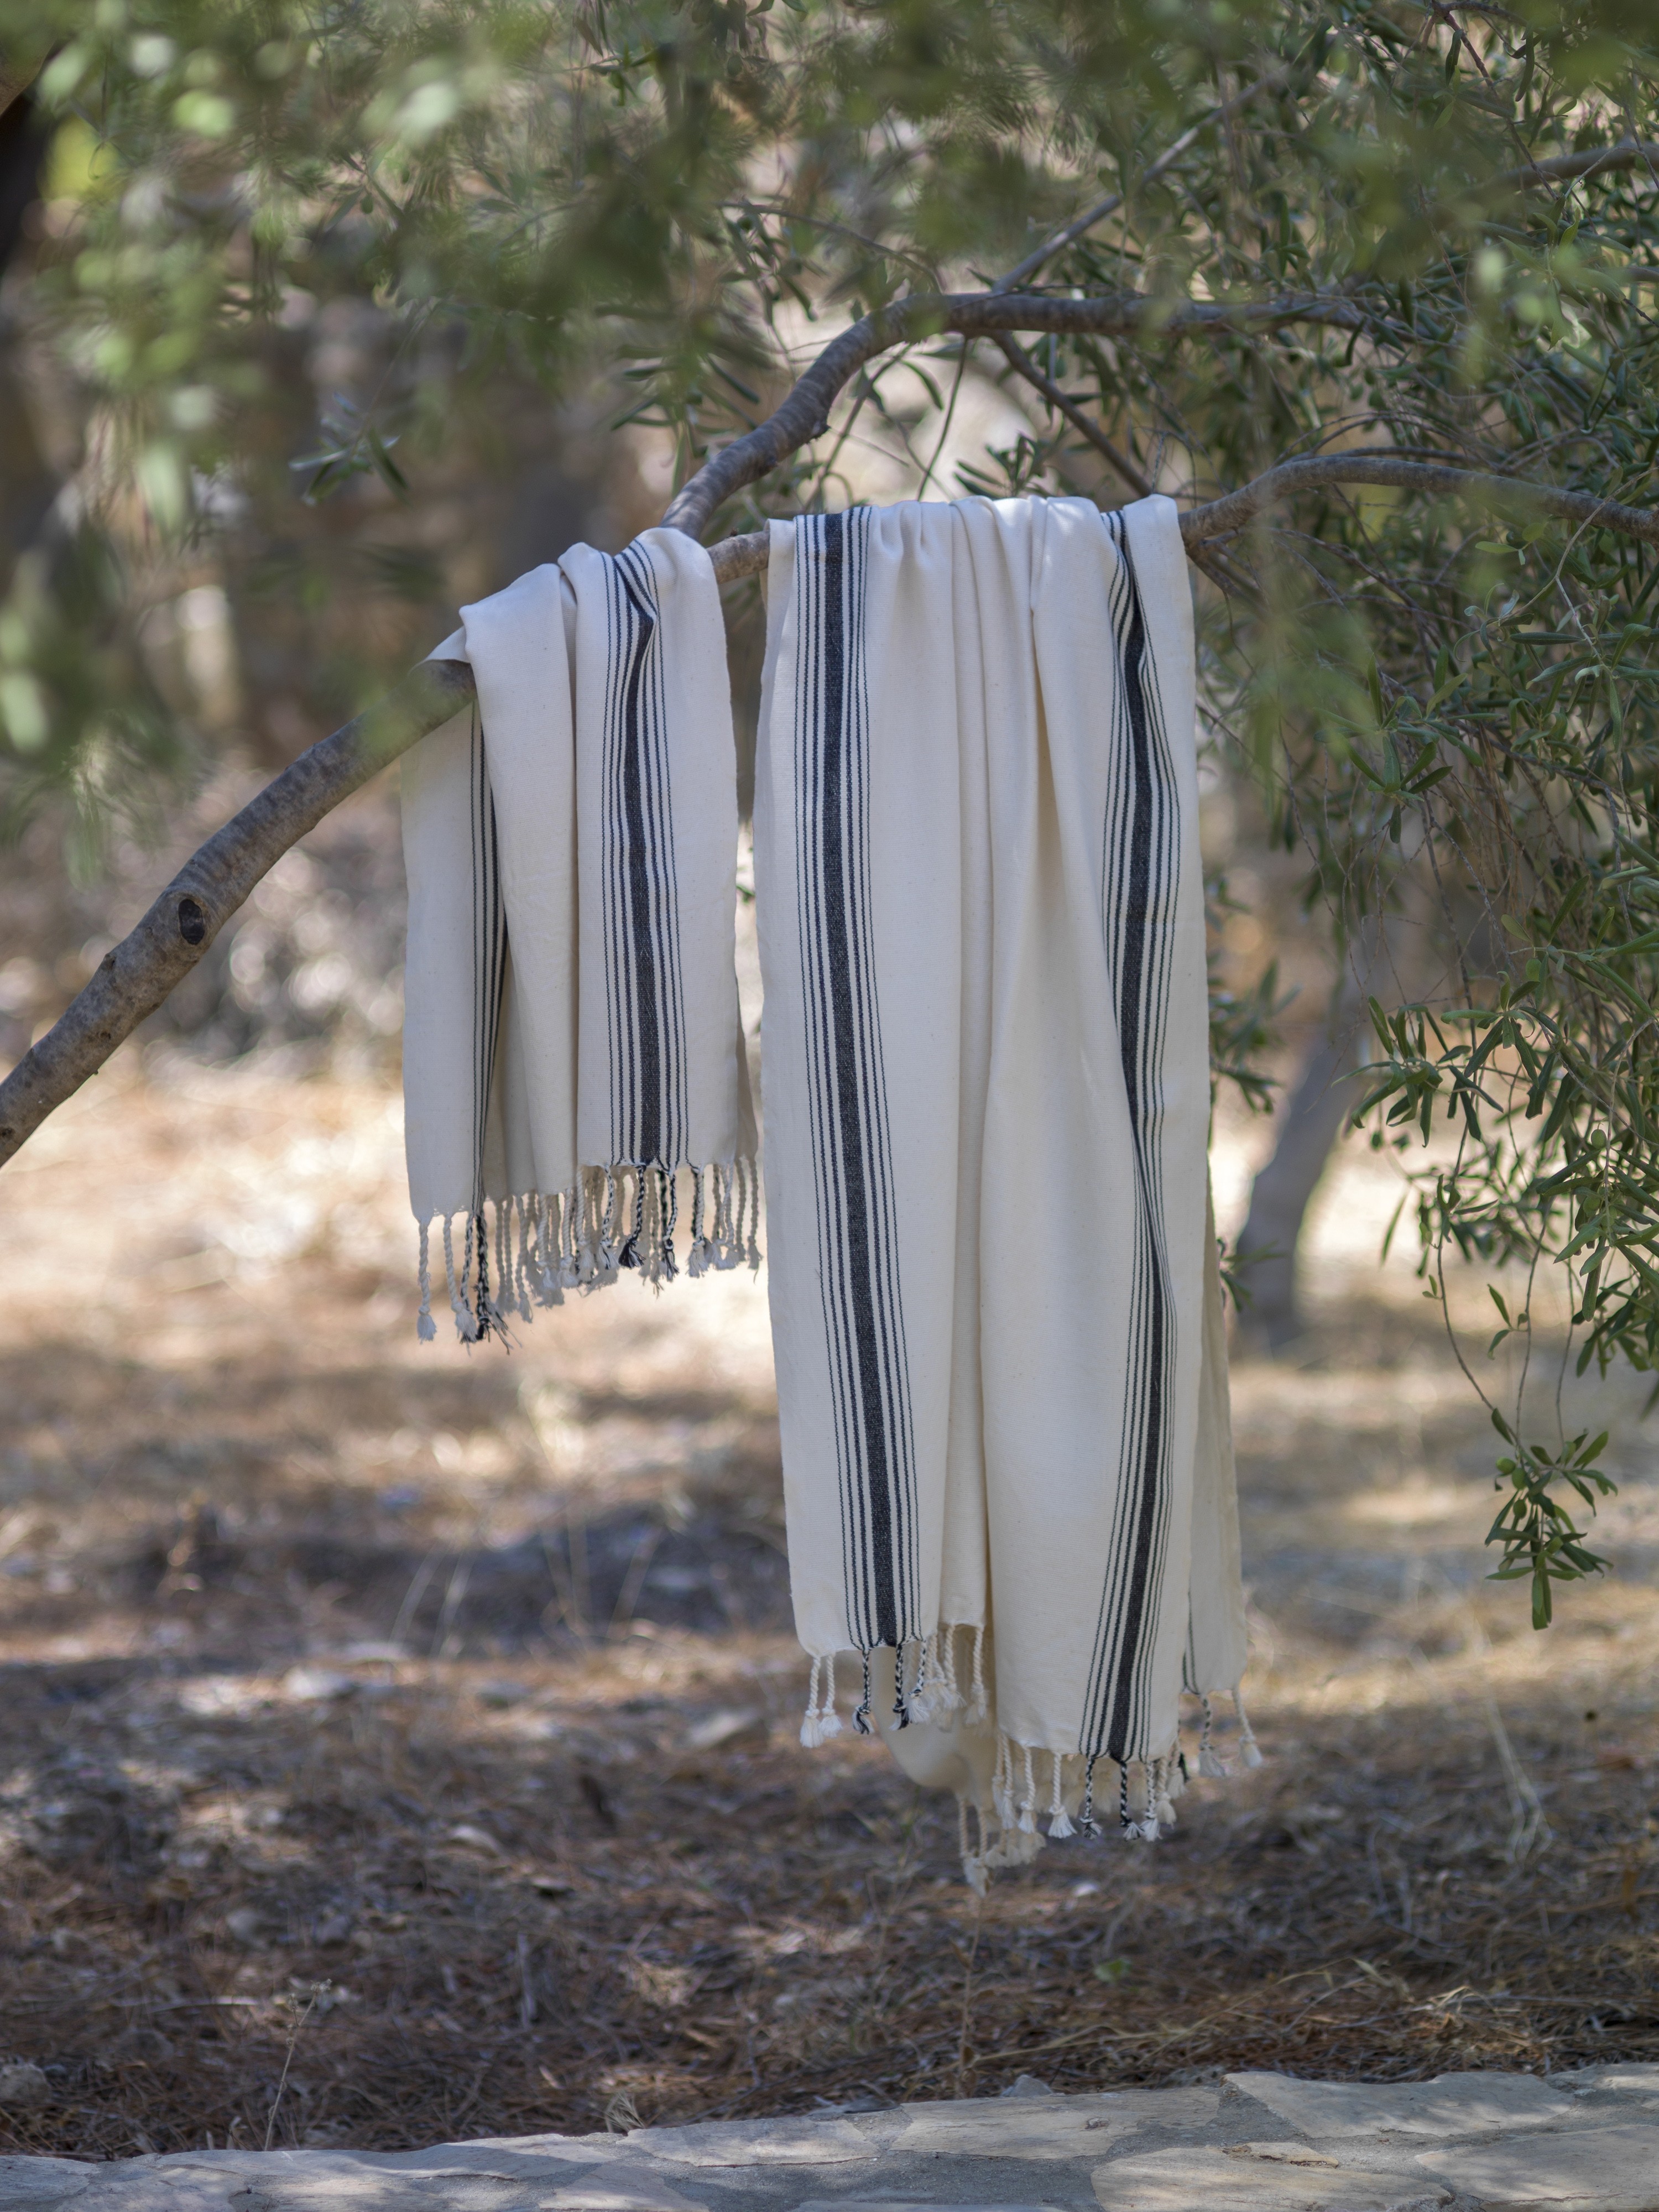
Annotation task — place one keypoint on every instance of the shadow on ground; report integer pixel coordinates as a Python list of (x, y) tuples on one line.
[(427, 1724)]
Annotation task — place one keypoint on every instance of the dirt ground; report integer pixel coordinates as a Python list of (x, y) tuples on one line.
[(425, 1722)]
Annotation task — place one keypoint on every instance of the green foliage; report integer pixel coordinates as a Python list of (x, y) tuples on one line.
[(671, 205)]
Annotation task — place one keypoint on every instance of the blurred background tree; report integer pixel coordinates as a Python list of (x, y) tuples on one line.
[(319, 320)]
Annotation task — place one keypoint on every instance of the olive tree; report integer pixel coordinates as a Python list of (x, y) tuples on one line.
[(1363, 286)]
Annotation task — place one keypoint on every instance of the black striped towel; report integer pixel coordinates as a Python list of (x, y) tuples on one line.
[(994, 1299), (574, 1083)]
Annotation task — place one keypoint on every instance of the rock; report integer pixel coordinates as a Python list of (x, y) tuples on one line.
[(501, 1695), (1450, 2105), (23, 2087), (1503, 2143), (620, 2188), (755, 2142), (473, 1838), (1028, 2085), (365, 2189), (1282, 2153), (1625, 2082), (1048, 2127), (316, 1684), (27, 2182), (1211, 2181), (461, 2186), (720, 1727), (911, 2204), (1610, 2168)]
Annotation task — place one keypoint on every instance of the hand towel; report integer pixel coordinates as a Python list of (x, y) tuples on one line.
[(985, 1091), (572, 1051)]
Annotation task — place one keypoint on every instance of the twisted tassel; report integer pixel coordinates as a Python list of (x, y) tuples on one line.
[(425, 1328), (1249, 1751), (979, 1705), (1028, 1796), (1210, 1761), (1059, 1825), (1086, 1820)]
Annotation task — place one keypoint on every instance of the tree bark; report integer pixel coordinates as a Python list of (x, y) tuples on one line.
[(132, 980)]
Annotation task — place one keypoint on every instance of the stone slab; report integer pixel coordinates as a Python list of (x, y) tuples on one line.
[(1248, 2178), (757, 2143), (1046, 2127), (1609, 2168), (30, 2181), (919, 2204), (1265, 2142), (457, 2187), (1450, 2105)]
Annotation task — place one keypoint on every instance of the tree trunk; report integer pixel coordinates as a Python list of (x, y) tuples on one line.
[(1322, 1099)]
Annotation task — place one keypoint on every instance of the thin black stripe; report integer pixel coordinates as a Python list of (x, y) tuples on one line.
[(1141, 853), (857, 1224)]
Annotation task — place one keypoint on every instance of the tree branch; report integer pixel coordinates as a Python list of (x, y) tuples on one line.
[(1215, 566), (1071, 232), (1567, 168), (803, 415), (134, 979), (1509, 495)]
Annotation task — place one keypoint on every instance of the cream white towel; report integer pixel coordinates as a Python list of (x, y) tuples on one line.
[(986, 1100), (571, 1034)]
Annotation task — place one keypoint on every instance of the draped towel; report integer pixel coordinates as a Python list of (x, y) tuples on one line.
[(995, 1301), (572, 1041)]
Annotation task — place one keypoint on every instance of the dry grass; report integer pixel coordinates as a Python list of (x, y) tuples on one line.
[(461, 1690)]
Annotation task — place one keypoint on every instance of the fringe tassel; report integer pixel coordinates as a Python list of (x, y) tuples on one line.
[(701, 1257), (1162, 1808), (1002, 1794), (630, 1254), (979, 1705), (1250, 1752), (425, 1328), (923, 1702), (569, 1267), (606, 1258), (751, 1250), (1210, 1761), (948, 1699), (1086, 1820), (861, 1717), (1028, 1799), (821, 1721), (810, 1735), (464, 1323), (668, 1209), (1059, 1826), (973, 1862), (538, 1246)]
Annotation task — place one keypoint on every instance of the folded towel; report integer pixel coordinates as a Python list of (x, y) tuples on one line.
[(1006, 1462), (572, 1054)]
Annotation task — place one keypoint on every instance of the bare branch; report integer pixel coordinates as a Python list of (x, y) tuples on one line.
[(805, 413), (1510, 495), (1214, 565), (1567, 168), (1022, 363), (134, 979), (1074, 229)]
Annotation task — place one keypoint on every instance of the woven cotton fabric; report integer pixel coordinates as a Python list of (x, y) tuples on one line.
[(995, 1307), (575, 1088)]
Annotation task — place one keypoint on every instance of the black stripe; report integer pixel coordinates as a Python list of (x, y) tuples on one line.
[(857, 1226), (647, 1100), (1142, 881)]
